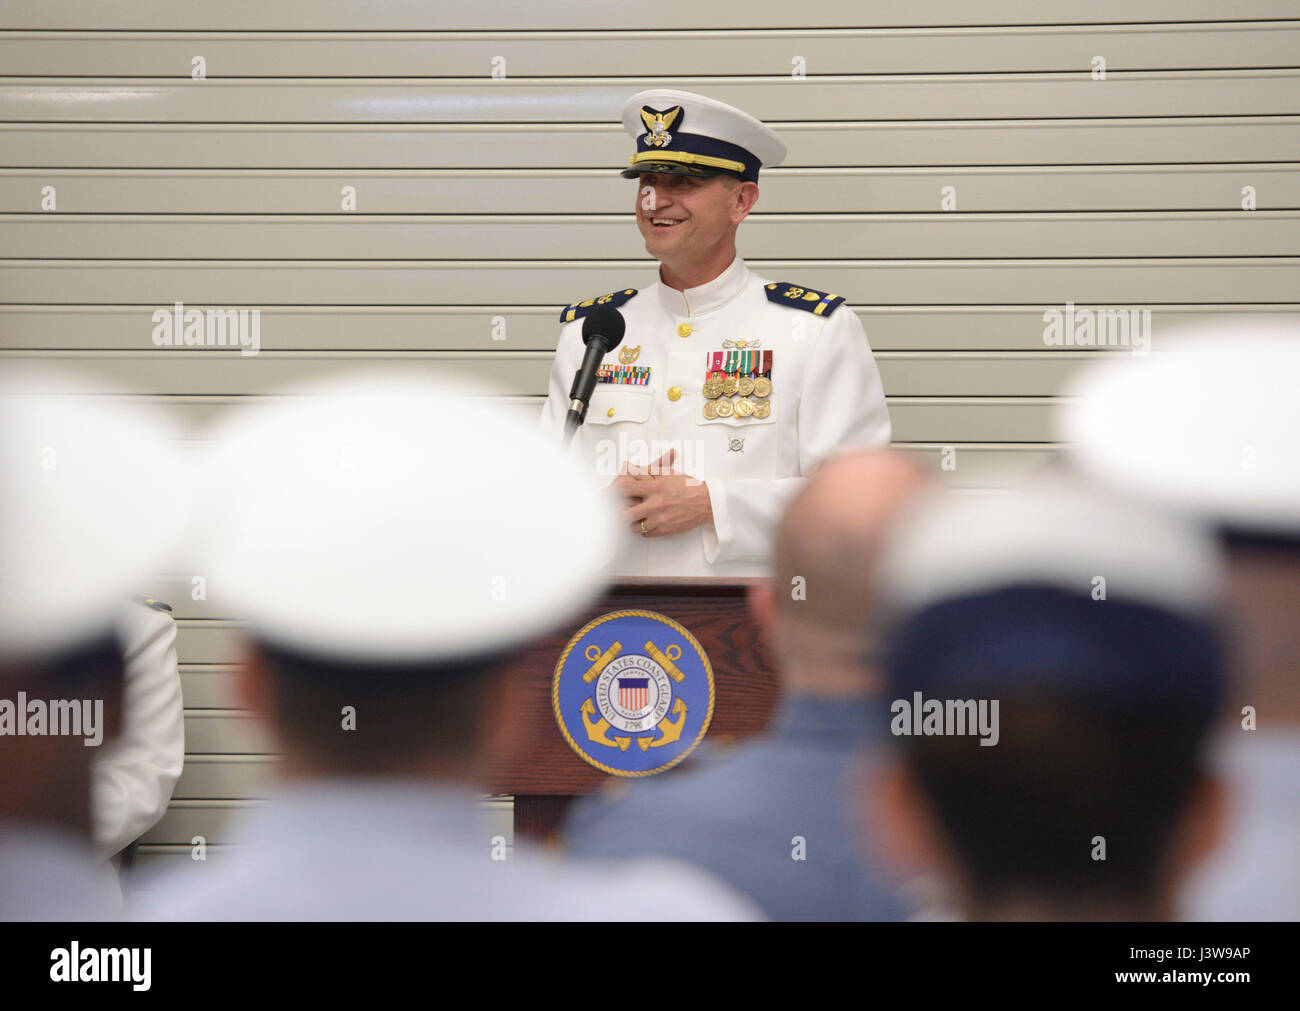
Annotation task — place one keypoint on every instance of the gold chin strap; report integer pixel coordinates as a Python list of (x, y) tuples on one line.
[(686, 158)]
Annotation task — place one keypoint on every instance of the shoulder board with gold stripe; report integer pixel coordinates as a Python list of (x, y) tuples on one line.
[(157, 605), (819, 303), (579, 309)]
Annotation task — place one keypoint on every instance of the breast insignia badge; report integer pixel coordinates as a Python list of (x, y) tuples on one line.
[(633, 693)]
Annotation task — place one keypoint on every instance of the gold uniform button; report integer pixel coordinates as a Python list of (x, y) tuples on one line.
[(609, 413), (684, 330), (674, 393)]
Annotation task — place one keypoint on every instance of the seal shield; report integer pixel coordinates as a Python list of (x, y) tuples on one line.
[(633, 693)]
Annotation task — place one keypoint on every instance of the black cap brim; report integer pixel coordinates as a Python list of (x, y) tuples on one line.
[(670, 168)]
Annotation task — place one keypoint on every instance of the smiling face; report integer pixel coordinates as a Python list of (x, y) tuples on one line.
[(688, 222)]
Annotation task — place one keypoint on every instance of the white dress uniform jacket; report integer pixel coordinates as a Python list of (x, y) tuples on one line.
[(134, 774), (826, 396), (402, 849)]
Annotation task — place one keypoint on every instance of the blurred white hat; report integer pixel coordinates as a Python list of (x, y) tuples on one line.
[(1059, 586), (93, 499), (1210, 424), (1058, 531), (393, 518)]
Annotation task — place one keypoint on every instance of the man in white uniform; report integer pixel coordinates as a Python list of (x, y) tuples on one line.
[(728, 387), (1208, 424), (373, 537), (90, 499)]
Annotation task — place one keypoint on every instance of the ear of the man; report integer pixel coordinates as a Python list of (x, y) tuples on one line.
[(901, 823), (253, 684), (745, 196), (1201, 829)]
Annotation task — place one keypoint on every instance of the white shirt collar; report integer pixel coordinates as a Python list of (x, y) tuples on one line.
[(708, 296)]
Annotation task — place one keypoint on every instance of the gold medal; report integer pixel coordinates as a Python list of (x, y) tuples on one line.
[(745, 386), (724, 408), (710, 409), (713, 388), (730, 385), (744, 407), (762, 409), (762, 387)]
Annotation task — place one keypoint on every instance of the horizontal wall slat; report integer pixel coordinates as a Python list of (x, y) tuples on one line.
[(203, 686), (1188, 138), (948, 96), (537, 328), (919, 419), (526, 373), (208, 642), (219, 731), (600, 191), (389, 15), (186, 819), (545, 236), (225, 777), (559, 283), (615, 53)]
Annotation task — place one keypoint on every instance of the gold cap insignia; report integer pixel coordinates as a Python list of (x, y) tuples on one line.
[(658, 124)]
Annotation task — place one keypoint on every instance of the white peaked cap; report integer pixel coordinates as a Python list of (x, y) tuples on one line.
[(707, 117), (93, 498), (392, 518), (1057, 531), (1210, 423)]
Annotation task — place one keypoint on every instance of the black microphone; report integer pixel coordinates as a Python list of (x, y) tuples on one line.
[(602, 332)]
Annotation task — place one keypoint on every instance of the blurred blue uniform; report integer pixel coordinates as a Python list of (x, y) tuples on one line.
[(738, 815)]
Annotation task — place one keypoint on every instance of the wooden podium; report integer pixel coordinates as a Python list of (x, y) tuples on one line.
[(536, 764)]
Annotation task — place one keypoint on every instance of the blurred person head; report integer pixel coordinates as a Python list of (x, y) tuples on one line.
[(1208, 425), (817, 605), (1054, 665), (91, 501), (392, 541)]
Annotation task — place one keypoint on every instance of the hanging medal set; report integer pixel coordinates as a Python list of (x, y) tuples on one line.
[(737, 383)]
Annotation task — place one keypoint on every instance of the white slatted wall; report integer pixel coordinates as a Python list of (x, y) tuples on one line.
[(480, 197)]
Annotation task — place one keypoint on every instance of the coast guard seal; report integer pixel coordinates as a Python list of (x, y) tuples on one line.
[(633, 693)]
